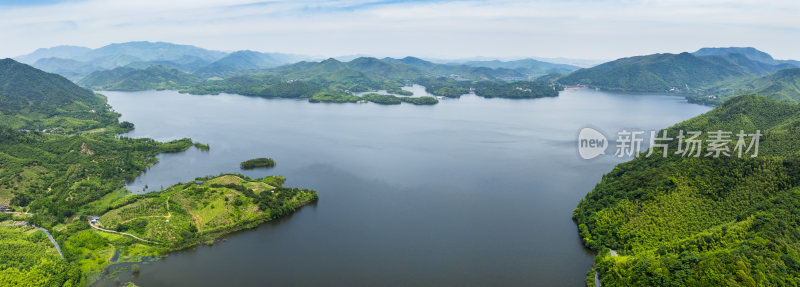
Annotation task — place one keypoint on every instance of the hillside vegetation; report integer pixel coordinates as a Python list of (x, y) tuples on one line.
[(190, 213), (129, 79), (34, 100), (657, 73), (685, 221), (58, 180), (783, 86)]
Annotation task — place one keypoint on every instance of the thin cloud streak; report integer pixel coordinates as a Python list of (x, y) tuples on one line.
[(444, 29)]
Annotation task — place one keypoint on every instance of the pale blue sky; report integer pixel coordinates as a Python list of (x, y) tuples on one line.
[(604, 29)]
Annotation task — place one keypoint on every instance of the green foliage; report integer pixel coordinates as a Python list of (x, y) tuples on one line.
[(129, 79), (783, 86), (257, 162), (201, 146), (421, 100), (657, 73), (399, 91), (519, 90), (382, 99), (34, 100), (445, 87), (679, 221), (187, 214), (326, 81), (530, 67), (31, 260), (329, 96)]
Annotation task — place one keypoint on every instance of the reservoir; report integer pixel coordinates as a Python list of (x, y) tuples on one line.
[(466, 192)]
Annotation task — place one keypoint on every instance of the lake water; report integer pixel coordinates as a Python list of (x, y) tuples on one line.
[(467, 192)]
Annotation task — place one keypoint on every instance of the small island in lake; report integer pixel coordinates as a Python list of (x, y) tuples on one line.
[(258, 162)]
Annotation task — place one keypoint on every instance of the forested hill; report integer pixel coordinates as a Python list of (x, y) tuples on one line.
[(239, 61), (129, 79), (668, 72), (331, 80), (749, 52), (686, 221), (33, 99), (530, 67), (65, 158)]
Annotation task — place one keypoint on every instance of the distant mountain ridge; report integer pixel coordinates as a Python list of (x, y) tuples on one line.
[(530, 67), (76, 62), (240, 61), (460, 71), (130, 79), (684, 72), (64, 52), (749, 52)]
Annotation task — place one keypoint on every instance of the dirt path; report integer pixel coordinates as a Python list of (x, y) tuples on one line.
[(122, 233)]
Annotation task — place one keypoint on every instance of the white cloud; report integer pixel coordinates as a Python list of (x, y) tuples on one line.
[(549, 28)]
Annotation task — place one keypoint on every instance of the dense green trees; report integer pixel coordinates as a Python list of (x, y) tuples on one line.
[(399, 91), (680, 221), (382, 99), (31, 260), (519, 90), (662, 72), (331, 81), (420, 100), (257, 162), (34, 100), (130, 79), (328, 96)]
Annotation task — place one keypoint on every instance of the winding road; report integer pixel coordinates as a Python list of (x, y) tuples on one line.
[(49, 236)]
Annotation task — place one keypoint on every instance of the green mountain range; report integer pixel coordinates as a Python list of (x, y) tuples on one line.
[(77, 62), (707, 71), (460, 71), (530, 67), (749, 52), (129, 79), (658, 73), (36, 100), (237, 62), (783, 85), (704, 221)]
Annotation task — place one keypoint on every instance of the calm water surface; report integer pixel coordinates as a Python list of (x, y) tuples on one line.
[(467, 192)]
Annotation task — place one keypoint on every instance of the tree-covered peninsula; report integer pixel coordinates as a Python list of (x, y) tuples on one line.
[(63, 169)]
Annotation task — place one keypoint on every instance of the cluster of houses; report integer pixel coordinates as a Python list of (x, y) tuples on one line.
[(4, 208), (95, 220)]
